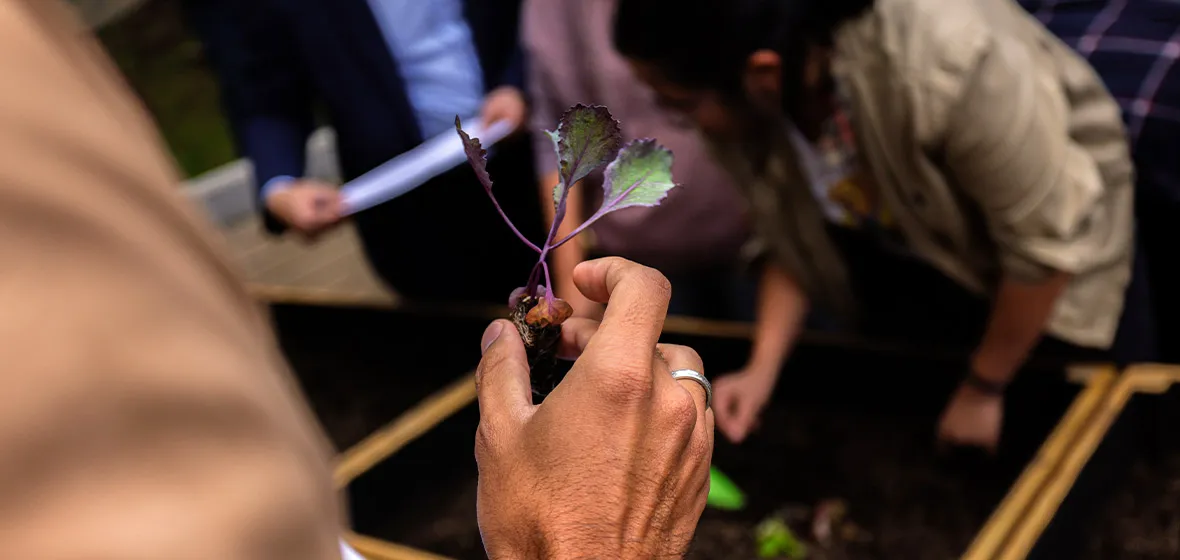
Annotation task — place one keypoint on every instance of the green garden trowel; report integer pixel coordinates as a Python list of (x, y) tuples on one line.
[(723, 493)]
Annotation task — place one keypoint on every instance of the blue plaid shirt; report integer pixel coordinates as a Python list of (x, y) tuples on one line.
[(1134, 46)]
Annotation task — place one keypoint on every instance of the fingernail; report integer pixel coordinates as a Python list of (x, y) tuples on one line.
[(490, 335)]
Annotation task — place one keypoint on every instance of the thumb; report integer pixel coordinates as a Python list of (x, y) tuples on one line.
[(502, 380)]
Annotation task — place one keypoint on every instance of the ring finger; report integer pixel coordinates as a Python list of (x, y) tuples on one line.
[(699, 451), (677, 358)]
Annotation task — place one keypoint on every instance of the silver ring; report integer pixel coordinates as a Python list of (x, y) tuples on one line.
[(700, 379)]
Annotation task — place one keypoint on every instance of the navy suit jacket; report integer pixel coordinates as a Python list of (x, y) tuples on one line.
[(287, 64)]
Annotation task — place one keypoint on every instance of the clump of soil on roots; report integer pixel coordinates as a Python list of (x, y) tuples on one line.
[(541, 343)]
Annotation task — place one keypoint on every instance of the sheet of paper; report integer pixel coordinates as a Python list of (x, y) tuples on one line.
[(410, 170)]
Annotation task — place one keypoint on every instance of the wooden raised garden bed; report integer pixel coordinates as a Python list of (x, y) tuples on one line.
[(849, 424)]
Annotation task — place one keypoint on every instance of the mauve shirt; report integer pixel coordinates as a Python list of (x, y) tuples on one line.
[(572, 60)]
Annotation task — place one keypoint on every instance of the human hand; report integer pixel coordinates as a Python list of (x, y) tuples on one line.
[(583, 307), (739, 399), (504, 103), (614, 463), (308, 206), (972, 418)]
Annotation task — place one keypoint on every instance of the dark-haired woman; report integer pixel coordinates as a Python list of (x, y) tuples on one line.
[(946, 171)]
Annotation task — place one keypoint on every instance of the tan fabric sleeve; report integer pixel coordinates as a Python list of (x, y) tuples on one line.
[(144, 410), (1031, 159)]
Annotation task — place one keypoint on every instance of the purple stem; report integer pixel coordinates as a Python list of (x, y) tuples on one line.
[(579, 229), (602, 211), (526, 241), (548, 283), (558, 217), (534, 277)]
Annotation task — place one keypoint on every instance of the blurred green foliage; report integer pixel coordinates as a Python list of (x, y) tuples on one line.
[(723, 493), (164, 63), (776, 540)]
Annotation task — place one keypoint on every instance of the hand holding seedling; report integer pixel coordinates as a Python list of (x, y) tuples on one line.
[(615, 462), (636, 174)]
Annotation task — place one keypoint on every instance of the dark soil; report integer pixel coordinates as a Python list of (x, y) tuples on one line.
[(845, 425), (912, 503), (1142, 521), (541, 344), (362, 368)]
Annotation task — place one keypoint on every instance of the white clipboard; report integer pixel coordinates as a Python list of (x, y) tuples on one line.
[(412, 169)]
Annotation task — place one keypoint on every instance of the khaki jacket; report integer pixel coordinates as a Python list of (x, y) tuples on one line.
[(145, 412), (997, 148)]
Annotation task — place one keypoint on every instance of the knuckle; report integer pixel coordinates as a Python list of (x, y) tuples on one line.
[(681, 357), (678, 411), (491, 363), (481, 373), (645, 278), (491, 360), (655, 282), (488, 439), (618, 265)]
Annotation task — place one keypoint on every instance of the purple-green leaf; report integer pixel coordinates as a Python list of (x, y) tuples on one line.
[(476, 156), (640, 176), (586, 139)]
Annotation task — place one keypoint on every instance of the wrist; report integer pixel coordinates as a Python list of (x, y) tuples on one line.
[(547, 544), (982, 386), (606, 548), (982, 380), (762, 369), (985, 366), (592, 538)]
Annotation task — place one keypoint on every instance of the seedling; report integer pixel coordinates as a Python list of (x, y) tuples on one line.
[(587, 139), (776, 540)]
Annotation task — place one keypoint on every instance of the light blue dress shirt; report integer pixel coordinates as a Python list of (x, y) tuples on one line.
[(436, 56)]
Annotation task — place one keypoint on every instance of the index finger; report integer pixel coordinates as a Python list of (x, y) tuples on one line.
[(636, 299)]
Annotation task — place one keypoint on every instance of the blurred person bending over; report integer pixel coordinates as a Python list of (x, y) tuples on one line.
[(696, 235), (948, 172), (1134, 47), (148, 414), (386, 75)]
